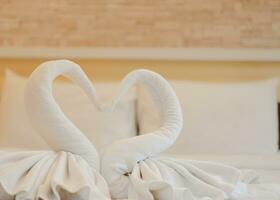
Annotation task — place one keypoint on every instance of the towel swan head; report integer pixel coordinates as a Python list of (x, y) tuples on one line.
[(119, 159), (46, 116)]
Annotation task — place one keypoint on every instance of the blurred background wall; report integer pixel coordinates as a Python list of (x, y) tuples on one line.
[(140, 23), (33, 31)]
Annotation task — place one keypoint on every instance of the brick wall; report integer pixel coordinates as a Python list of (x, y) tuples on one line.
[(140, 23)]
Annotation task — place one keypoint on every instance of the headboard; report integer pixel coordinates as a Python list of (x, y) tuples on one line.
[(112, 70), (109, 69)]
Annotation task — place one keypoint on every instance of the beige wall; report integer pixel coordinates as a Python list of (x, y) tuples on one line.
[(142, 23)]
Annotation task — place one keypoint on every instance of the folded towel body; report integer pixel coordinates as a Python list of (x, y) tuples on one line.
[(49, 175)]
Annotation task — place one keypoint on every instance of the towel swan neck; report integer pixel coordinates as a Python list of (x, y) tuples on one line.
[(46, 116), (166, 100), (120, 158)]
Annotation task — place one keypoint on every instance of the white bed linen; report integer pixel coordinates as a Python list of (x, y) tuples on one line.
[(266, 166)]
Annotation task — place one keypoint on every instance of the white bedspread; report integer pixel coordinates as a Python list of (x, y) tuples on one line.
[(269, 162), (267, 167)]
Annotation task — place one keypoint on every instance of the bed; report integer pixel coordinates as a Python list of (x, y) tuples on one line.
[(267, 166), (265, 159)]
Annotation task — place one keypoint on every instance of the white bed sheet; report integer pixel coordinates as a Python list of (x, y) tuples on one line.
[(267, 185), (267, 166)]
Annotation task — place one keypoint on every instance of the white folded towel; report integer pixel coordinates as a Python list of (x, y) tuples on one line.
[(46, 116), (47, 175), (69, 172), (133, 171)]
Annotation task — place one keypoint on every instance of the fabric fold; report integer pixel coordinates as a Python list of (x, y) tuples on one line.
[(168, 178), (47, 175)]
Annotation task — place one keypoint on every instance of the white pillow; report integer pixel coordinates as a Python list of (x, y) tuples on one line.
[(220, 118), (100, 127)]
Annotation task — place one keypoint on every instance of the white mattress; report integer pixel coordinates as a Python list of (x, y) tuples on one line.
[(267, 166)]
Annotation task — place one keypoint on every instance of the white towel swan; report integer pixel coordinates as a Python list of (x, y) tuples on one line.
[(132, 170), (72, 171)]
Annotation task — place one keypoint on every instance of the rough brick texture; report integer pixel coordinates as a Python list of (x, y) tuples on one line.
[(140, 23)]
